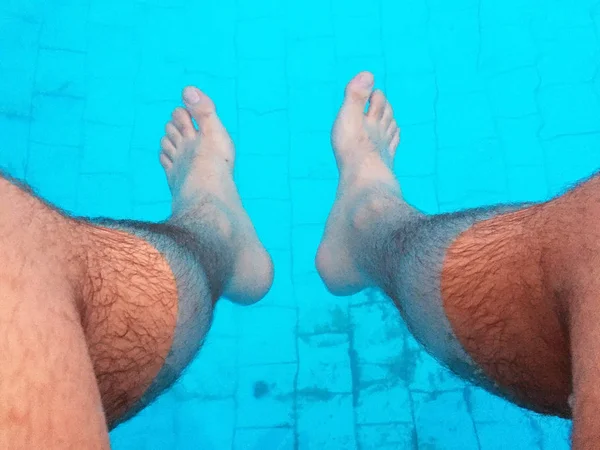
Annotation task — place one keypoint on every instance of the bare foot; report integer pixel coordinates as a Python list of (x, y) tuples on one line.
[(199, 168), (365, 147)]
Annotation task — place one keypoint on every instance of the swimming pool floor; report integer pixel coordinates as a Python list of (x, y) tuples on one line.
[(498, 102)]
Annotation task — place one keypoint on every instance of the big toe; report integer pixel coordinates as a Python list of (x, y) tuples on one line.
[(358, 92), (200, 107)]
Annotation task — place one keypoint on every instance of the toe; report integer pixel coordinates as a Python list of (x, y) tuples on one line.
[(168, 148), (391, 129), (183, 121), (377, 105), (388, 116), (166, 162), (173, 134), (201, 107), (358, 92), (395, 141)]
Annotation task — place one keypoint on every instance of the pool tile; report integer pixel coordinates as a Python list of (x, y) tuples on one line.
[(417, 154), (261, 84), (212, 374), (264, 438), (55, 34), (514, 93), (60, 72), (302, 22), (104, 195), (272, 220), (496, 13), (550, 18), (437, 427), (569, 57), (263, 177), (413, 98), (106, 148), (319, 311), (355, 9), (570, 159), (407, 54), (18, 47), (110, 101), (425, 373), (455, 41), (351, 43), (57, 120), (31, 11), (506, 47), (111, 52), (305, 242), (569, 109), (154, 35), (171, 81), (312, 200), (520, 140), (321, 51), (281, 329), (311, 156), (282, 291), (527, 184), (54, 187), (387, 436), (149, 125), (118, 13), (324, 364), (263, 134), (265, 396), (250, 9), (442, 7), (260, 38), (14, 145), (152, 429), (304, 116), (555, 432), (148, 180), (462, 183), (378, 333), (226, 320), (16, 91), (422, 193), (151, 212), (383, 395), (325, 421), (406, 17), (196, 425), (463, 119), (498, 436)]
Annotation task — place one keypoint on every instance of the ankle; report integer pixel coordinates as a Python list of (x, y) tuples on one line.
[(378, 207)]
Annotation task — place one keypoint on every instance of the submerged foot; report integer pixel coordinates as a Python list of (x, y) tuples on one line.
[(364, 146), (199, 167)]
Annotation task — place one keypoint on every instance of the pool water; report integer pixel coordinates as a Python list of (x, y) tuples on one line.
[(498, 102)]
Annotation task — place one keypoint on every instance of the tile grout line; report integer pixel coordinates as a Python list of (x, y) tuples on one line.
[(291, 241)]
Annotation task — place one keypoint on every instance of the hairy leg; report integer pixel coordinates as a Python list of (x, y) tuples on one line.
[(134, 299), (477, 288)]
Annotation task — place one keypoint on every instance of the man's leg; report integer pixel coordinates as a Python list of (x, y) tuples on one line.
[(487, 291), (125, 304)]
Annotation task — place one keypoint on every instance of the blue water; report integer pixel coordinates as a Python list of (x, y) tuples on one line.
[(498, 100)]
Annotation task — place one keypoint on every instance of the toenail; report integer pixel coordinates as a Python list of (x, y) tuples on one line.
[(365, 80), (190, 95)]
